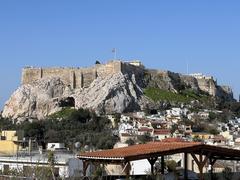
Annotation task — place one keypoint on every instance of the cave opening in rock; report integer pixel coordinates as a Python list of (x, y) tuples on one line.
[(67, 102)]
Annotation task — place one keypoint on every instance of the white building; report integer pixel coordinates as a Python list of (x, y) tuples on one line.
[(66, 165), (126, 128), (55, 146), (201, 76), (140, 167), (177, 112)]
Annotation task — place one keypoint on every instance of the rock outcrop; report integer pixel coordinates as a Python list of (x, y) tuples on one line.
[(170, 81), (176, 82), (36, 100), (114, 93)]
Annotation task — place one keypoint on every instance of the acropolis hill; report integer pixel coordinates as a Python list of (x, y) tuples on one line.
[(114, 87), (82, 77)]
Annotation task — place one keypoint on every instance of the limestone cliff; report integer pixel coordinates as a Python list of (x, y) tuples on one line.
[(36, 100), (114, 93)]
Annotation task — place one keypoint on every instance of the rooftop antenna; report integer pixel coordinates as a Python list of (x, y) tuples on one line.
[(114, 50)]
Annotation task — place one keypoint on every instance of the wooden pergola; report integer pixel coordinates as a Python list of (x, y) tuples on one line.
[(201, 154)]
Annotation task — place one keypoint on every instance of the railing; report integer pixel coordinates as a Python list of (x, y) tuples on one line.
[(219, 176)]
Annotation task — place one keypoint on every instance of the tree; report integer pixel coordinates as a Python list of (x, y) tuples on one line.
[(144, 138), (34, 130), (174, 128), (52, 135), (117, 118), (105, 141), (130, 142), (6, 124), (99, 172), (212, 116), (68, 126), (171, 165), (51, 162), (213, 131)]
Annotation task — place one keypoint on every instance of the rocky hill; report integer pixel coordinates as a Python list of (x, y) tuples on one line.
[(177, 82), (114, 93)]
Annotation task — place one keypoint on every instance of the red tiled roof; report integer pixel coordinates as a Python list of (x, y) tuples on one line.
[(145, 129), (156, 149), (162, 131), (138, 150), (219, 138), (173, 140)]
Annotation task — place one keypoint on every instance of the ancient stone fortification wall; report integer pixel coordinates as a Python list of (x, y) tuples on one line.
[(78, 77)]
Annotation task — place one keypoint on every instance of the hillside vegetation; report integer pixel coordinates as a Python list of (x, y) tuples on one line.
[(185, 96), (68, 126)]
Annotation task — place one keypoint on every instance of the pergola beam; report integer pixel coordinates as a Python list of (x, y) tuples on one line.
[(185, 166), (212, 162), (126, 168), (227, 158), (162, 165), (152, 162), (201, 162), (85, 166)]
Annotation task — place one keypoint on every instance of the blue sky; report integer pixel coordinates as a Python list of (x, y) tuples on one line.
[(162, 34)]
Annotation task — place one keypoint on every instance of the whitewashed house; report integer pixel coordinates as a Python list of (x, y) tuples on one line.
[(65, 166)]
